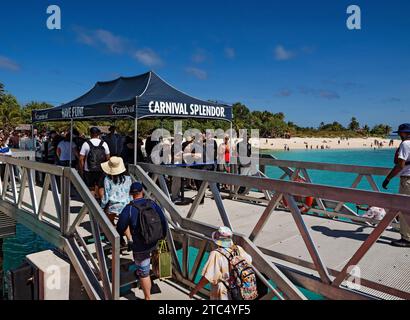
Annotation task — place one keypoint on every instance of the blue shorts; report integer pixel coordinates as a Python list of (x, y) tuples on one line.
[(143, 263)]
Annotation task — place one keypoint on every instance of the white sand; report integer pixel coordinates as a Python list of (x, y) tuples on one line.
[(327, 143)]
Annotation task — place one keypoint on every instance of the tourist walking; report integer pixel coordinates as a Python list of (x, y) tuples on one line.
[(402, 168), (14, 140), (176, 159), (67, 151), (116, 191), (115, 141), (147, 224), (4, 151), (221, 270), (93, 153)]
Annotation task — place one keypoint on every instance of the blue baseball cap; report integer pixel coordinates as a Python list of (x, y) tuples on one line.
[(405, 127), (136, 187)]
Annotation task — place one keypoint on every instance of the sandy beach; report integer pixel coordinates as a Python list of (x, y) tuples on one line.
[(325, 143)]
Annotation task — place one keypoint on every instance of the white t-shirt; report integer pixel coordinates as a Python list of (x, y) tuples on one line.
[(85, 149), (404, 154), (64, 146)]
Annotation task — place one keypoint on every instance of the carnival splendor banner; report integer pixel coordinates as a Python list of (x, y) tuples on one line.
[(142, 96)]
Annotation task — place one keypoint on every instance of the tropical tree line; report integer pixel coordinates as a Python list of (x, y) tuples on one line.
[(270, 125)]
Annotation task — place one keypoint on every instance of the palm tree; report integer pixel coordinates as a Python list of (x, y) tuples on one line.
[(388, 130), (10, 114), (2, 92), (354, 124)]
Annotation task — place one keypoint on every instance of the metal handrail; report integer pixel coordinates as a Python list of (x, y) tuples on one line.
[(347, 168), (63, 231), (385, 200), (189, 227), (329, 280)]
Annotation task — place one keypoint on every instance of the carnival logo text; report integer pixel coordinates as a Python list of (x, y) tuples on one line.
[(118, 110), (40, 117), (178, 108)]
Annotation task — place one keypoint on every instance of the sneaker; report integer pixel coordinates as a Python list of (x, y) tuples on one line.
[(401, 243), (129, 246)]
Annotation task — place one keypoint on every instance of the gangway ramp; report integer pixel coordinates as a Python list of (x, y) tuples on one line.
[(289, 249)]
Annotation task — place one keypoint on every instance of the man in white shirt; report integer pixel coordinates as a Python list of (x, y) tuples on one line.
[(64, 150), (402, 167), (94, 152)]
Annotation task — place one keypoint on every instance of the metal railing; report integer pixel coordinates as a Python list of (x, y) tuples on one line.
[(191, 233), (58, 222), (328, 281), (300, 170), (61, 222)]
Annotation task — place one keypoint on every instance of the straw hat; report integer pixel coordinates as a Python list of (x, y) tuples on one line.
[(223, 237), (114, 166)]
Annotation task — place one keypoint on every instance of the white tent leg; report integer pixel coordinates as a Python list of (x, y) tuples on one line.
[(135, 140), (71, 143)]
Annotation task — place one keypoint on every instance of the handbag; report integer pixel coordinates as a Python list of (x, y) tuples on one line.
[(162, 261)]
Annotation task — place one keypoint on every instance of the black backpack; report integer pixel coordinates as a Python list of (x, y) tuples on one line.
[(95, 157), (149, 229)]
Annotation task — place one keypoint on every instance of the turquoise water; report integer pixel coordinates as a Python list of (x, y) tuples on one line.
[(376, 158), (193, 253), (26, 242), (16, 248)]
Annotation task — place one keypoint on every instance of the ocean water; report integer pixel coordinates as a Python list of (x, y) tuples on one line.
[(374, 158), (26, 242)]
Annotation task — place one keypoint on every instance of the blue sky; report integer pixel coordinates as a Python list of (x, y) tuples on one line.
[(293, 56)]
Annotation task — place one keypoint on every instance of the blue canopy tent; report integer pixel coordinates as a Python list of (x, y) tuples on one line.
[(138, 97)]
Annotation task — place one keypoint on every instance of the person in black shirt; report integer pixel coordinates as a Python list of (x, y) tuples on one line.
[(127, 153), (115, 142), (176, 158), (210, 153), (244, 152), (149, 146)]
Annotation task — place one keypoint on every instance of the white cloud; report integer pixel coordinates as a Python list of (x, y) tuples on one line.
[(320, 93), (148, 57), (8, 64), (328, 94), (107, 41), (199, 56), (102, 39), (285, 93), (308, 49), (392, 100), (197, 73), (282, 54), (230, 53), (112, 42)]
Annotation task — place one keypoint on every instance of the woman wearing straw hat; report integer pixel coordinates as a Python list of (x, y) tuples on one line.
[(216, 270), (116, 189)]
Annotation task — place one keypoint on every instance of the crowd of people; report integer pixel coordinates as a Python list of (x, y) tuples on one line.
[(102, 162)]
